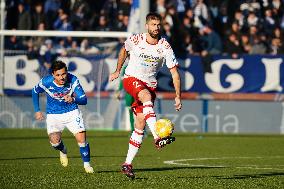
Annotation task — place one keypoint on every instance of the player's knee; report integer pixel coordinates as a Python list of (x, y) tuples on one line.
[(55, 138), (81, 137), (55, 141), (144, 95), (140, 122)]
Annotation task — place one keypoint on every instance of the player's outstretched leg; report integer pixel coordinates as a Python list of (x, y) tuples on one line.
[(150, 117), (62, 154), (85, 154)]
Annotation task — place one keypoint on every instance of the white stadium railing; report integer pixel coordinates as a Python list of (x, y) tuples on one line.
[(109, 34), (80, 34)]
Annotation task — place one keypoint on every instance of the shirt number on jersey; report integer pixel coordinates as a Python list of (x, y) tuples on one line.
[(136, 84), (78, 120)]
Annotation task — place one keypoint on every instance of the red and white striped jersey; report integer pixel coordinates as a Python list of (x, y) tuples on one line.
[(145, 59)]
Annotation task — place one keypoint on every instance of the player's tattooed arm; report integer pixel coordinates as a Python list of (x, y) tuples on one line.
[(121, 59), (176, 81)]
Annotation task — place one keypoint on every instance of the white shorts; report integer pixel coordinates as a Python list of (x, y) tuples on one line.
[(72, 120)]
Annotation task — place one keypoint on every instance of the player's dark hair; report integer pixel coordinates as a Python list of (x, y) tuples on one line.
[(57, 65), (153, 16)]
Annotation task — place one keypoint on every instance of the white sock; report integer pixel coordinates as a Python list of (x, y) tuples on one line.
[(151, 123), (82, 144), (87, 164), (150, 117), (134, 145)]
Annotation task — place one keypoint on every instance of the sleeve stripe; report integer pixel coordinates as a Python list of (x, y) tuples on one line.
[(74, 85), (35, 90), (45, 89)]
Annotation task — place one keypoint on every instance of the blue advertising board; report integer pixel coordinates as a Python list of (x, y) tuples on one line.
[(247, 74)]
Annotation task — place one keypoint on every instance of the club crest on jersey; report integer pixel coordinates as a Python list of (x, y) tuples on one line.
[(160, 51)]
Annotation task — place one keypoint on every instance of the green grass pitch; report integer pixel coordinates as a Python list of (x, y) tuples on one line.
[(193, 161)]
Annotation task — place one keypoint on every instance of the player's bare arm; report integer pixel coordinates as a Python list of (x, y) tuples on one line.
[(39, 116), (121, 59), (176, 81)]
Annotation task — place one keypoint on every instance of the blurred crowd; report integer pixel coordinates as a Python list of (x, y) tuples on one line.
[(197, 27), (64, 15), (230, 27)]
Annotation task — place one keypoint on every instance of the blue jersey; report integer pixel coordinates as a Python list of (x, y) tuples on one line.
[(55, 94)]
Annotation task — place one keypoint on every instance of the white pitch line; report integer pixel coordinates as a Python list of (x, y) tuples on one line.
[(181, 162)]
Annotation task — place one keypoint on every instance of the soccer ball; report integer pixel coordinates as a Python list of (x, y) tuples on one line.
[(164, 127)]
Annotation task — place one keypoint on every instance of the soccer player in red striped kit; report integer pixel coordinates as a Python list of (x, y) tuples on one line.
[(147, 53)]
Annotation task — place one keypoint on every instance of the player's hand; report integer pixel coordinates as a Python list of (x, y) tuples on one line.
[(113, 76), (39, 116), (117, 95), (68, 99), (178, 104)]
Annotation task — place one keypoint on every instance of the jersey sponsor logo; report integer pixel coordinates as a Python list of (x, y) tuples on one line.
[(149, 58), (59, 95), (148, 64)]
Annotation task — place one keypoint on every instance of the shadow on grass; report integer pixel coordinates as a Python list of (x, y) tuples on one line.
[(249, 176), (56, 157), (173, 168), (161, 169), (64, 137)]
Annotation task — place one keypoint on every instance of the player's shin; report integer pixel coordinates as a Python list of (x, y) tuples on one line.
[(150, 117), (85, 152), (63, 152), (134, 145)]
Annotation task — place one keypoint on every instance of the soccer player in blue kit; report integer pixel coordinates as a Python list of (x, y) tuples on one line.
[(63, 94)]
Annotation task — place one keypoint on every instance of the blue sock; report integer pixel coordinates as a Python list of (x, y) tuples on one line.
[(59, 146), (85, 152)]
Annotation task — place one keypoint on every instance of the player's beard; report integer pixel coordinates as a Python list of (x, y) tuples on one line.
[(61, 81), (154, 35)]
